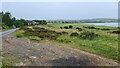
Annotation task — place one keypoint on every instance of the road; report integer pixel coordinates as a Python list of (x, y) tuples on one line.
[(5, 33), (24, 52)]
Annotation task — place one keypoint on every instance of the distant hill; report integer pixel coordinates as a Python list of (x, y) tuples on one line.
[(95, 20), (99, 20)]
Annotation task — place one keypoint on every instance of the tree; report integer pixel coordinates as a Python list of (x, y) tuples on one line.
[(8, 21), (13, 20), (41, 22), (20, 23), (6, 18), (23, 22)]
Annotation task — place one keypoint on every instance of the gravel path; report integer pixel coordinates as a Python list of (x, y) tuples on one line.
[(30, 53)]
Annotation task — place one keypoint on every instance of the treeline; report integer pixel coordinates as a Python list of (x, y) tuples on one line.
[(9, 22), (40, 22)]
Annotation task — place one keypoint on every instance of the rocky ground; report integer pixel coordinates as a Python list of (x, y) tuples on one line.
[(29, 53)]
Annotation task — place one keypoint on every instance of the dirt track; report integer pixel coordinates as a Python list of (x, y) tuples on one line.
[(30, 53)]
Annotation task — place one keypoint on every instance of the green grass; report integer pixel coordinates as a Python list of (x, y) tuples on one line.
[(35, 38), (105, 44), (101, 45), (18, 33), (7, 60)]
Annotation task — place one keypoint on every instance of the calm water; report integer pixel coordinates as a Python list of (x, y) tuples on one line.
[(105, 24)]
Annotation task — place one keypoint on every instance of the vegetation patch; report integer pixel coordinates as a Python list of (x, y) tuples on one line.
[(79, 29), (75, 34), (98, 28), (99, 42), (19, 33), (61, 27), (7, 60), (66, 27), (64, 33), (34, 38), (37, 33), (70, 26), (88, 35), (89, 27), (116, 32)]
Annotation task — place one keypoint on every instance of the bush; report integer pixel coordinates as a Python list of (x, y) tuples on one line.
[(74, 34), (5, 27), (118, 28), (42, 33), (89, 27), (66, 27), (105, 29), (70, 26), (88, 35), (80, 29), (77, 28), (60, 27), (116, 32)]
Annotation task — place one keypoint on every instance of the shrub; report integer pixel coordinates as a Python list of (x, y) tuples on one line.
[(41, 33), (77, 28), (105, 29), (66, 27), (5, 27), (80, 29), (70, 26), (88, 35), (97, 28), (116, 32), (118, 28), (60, 27), (89, 27), (74, 34)]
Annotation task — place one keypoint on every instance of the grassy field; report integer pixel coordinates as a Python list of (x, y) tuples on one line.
[(101, 40)]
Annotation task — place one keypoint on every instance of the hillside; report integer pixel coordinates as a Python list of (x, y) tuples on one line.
[(94, 20), (99, 20)]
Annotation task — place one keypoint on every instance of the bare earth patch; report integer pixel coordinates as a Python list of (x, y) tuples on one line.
[(30, 53)]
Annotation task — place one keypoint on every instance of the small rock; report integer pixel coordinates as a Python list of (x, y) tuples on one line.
[(76, 56), (41, 56), (20, 64), (33, 57)]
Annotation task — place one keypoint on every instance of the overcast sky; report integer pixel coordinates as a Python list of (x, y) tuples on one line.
[(61, 10), (60, 0)]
